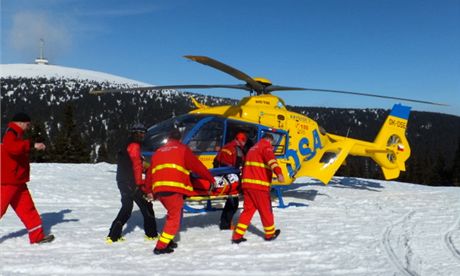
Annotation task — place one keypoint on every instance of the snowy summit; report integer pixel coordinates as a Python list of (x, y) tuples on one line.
[(350, 227), (61, 72)]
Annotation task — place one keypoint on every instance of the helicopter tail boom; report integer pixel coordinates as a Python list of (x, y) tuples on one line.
[(390, 149)]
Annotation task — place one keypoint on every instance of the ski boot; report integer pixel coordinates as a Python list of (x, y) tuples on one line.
[(46, 239), (275, 235), (165, 250), (240, 240), (109, 240)]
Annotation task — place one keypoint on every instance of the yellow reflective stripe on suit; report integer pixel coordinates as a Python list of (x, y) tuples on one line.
[(227, 151), (255, 181), (270, 230), (171, 166), (271, 162), (242, 226), (256, 164), (172, 184), (165, 237)]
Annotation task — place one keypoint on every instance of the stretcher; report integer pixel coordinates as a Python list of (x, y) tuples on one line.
[(227, 185)]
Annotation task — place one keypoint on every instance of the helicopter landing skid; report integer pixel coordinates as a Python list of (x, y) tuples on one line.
[(279, 193), (209, 208)]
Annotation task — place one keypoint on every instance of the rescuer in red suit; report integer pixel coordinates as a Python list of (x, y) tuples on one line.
[(170, 170), (256, 181), (231, 154), (15, 173)]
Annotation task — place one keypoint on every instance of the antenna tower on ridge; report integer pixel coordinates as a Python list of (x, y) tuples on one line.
[(41, 59)]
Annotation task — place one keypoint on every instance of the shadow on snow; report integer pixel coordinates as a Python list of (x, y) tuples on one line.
[(211, 218), (351, 183), (48, 221)]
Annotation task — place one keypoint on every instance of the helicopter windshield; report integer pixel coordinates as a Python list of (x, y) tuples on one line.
[(157, 135), (206, 134)]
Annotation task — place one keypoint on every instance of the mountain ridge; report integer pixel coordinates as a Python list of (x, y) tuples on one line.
[(102, 121)]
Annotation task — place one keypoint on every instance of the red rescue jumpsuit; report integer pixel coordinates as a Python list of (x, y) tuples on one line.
[(170, 170), (256, 181), (15, 173), (231, 154)]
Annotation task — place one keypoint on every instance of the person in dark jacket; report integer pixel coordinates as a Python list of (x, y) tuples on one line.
[(132, 187), (15, 173), (231, 155)]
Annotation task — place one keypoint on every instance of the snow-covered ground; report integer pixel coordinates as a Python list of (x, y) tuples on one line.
[(55, 71), (350, 227)]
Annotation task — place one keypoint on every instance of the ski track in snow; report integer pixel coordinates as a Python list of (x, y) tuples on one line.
[(449, 241), (397, 261)]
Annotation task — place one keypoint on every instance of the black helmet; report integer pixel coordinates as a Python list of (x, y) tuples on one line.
[(138, 127)]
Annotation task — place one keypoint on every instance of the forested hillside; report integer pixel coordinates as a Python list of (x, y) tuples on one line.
[(79, 127)]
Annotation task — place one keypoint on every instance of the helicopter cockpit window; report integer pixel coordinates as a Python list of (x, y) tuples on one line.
[(279, 144), (157, 135), (280, 104), (208, 138)]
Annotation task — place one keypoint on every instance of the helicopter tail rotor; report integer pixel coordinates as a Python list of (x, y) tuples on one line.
[(392, 142)]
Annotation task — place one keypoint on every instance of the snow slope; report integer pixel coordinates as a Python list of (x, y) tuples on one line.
[(55, 71), (350, 227)]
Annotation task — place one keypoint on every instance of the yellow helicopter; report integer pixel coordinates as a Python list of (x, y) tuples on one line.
[(302, 147)]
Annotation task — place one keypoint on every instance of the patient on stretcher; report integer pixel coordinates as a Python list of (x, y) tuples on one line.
[(226, 184)]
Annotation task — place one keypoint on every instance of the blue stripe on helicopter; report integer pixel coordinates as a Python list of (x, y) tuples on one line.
[(400, 111)]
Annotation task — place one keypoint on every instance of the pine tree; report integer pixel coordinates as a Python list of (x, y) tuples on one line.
[(418, 170), (69, 146), (38, 135), (102, 154), (438, 172), (455, 172)]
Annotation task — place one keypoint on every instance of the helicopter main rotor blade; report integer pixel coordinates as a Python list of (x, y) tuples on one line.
[(229, 70), (281, 88), (164, 87)]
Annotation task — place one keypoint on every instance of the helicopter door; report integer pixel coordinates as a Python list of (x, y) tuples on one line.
[(280, 139), (280, 149)]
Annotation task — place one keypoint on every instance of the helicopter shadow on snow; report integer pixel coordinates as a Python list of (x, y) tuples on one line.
[(48, 221), (352, 183), (296, 191), (356, 183)]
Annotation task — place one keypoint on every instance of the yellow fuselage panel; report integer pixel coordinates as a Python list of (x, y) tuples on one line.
[(207, 160), (311, 152), (305, 140)]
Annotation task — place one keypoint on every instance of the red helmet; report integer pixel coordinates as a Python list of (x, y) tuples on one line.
[(242, 137)]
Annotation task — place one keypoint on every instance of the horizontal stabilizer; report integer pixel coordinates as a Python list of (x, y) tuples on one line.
[(325, 166)]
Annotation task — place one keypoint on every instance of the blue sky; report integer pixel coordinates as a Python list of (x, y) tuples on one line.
[(398, 48)]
